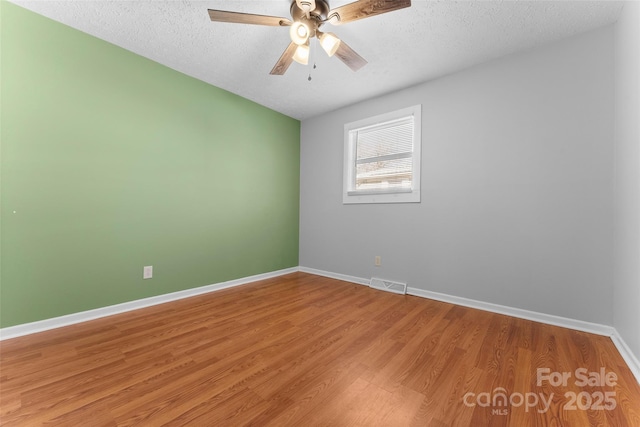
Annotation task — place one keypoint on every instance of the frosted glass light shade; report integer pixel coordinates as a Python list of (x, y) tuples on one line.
[(330, 43), (299, 33), (302, 54)]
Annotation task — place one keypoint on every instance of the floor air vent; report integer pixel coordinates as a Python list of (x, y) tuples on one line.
[(389, 286)]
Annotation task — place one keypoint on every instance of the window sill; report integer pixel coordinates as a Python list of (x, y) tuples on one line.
[(355, 197)]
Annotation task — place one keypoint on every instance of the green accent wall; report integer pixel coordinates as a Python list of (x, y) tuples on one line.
[(110, 162)]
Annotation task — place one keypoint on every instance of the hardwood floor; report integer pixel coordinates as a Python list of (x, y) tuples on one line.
[(307, 350)]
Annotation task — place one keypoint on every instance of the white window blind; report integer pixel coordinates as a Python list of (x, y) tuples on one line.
[(382, 158)]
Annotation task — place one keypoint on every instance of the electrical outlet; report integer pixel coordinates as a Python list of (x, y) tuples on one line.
[(147, 272), (378, 261)]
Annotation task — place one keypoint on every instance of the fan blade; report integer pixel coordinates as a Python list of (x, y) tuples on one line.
[(285, 60), (350, 57), (247, 18), (364, 9)]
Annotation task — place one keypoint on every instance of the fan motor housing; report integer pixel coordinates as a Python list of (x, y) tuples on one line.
[(318, 14)]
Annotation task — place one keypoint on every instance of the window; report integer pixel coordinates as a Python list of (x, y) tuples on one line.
[(382, 158)]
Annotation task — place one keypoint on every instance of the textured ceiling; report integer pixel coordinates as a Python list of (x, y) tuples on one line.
[(405, 47)]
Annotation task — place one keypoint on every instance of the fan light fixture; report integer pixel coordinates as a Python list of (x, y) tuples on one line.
[(299, 33), (302, 54), (329, 42)]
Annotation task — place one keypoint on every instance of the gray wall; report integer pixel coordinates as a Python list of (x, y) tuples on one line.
[(517, 171), (626, 302)]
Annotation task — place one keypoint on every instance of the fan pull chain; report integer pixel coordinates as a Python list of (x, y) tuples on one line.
[(314, 67), (313, 56)]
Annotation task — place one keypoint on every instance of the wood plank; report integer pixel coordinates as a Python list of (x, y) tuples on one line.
[(365, 9)]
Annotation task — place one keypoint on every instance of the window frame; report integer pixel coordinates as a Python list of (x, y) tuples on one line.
[(397, 195)]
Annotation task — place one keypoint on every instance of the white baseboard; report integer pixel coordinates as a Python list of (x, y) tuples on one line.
[(346, 278), (70, 319), (627, 355), (550, 319)]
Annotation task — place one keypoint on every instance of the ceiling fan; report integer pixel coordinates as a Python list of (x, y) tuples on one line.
[(307, 18)]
